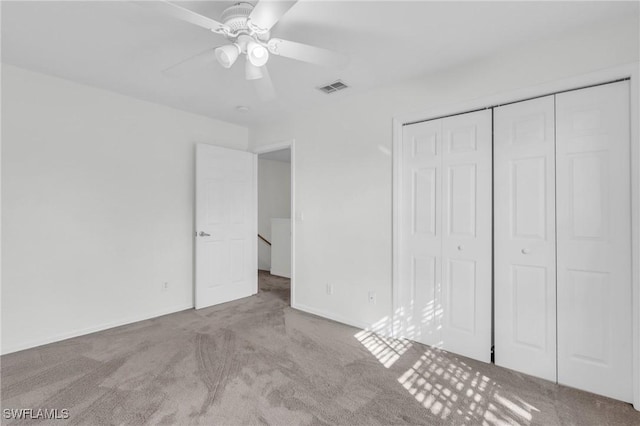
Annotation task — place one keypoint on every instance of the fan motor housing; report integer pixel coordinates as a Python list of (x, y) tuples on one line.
[(236, 18)]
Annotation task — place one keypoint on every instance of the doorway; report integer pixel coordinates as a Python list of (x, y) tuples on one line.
[(275, 224)]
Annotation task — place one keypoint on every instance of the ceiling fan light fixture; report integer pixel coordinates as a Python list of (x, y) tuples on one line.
[(227, 55), (252, 72), (257, 54)]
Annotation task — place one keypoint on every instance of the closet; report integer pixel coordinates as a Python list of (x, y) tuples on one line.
[(514, 232), (563, 239)]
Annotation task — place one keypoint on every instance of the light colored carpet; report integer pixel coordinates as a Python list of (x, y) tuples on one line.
[(257, 361)]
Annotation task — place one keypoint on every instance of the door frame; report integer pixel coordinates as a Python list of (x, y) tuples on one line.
[(630, 71), (277, 146)]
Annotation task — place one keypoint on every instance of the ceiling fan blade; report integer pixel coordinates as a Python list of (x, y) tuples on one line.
[(267, 13), (307, 53), (177, 70), (264, 86), (170, 9)]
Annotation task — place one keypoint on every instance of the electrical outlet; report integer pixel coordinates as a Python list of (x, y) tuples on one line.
[(165, 286), (329, 289), (372, 297)]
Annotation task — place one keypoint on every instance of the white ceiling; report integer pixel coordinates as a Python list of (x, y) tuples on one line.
[(120, 46), (282, 155)]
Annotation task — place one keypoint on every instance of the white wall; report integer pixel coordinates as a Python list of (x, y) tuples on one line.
[(281, 247), (97, 196), (343, 163), (274, 201)]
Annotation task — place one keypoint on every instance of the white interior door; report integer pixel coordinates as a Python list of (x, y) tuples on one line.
[(594, 240), (420, 245), (466, 235), (525, 241), (445, 234), (226, 225)]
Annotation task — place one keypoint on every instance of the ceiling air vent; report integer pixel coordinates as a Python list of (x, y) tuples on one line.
[(333, 87)]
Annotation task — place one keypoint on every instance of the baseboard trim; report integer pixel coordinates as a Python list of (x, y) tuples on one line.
[(81, 332), (282, 274), (84, 331), (331, 316)]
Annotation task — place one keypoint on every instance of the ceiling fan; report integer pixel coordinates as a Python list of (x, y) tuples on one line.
[(247, 29)]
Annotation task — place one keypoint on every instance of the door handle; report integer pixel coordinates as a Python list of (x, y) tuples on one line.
[(204, 234), (525, 251)]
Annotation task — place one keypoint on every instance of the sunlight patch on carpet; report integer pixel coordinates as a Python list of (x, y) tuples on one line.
[(445, 387), (385, 349)]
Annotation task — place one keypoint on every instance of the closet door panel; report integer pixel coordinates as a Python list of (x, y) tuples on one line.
[(594, 240), (466, 236), (445, 234), (420, 232), (524, 237)]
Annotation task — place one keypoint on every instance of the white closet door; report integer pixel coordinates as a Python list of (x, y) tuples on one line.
[(594, 240), (420, 235), (445, 234), (466, 235), (525, 245)]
